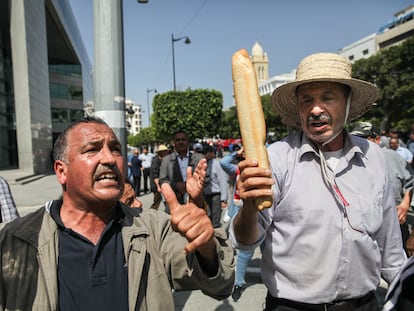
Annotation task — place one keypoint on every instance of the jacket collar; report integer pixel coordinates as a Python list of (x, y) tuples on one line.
[(38, 228)]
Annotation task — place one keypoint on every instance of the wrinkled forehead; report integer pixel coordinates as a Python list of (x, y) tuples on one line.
[(92, 132)]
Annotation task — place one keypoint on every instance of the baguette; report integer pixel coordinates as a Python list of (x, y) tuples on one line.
[(250, 115)]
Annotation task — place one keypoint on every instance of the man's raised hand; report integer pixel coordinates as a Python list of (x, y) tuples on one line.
[(189, 219)]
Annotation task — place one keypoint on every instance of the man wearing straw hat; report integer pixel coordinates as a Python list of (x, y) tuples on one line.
[(333, 230)]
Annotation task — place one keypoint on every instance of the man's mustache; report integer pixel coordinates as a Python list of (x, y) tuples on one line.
[(323, 117)]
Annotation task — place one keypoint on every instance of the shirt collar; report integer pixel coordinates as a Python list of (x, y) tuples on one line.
[(352, 146), (57, 205), (186, 155)]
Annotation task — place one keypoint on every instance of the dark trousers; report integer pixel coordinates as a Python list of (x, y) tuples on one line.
[(365, 303), (156, 200), (214, 203), (146, 172), (137, 184), (405, 234)]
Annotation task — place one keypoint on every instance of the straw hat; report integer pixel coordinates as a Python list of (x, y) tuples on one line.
[(327, 67), (162, 148)]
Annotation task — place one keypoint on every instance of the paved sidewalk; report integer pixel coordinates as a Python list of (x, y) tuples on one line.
[(32, 195)]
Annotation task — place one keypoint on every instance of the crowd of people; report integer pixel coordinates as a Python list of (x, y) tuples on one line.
[(338, 224)]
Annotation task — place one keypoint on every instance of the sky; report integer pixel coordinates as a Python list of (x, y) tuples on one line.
[(288, 30)]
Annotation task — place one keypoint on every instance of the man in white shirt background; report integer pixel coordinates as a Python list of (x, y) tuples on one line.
[(146, 158)]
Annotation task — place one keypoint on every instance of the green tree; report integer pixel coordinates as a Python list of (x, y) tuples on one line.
[(198, 112), (391, 70), (231, 129), (230, 125), (146, 137), (274, 123)]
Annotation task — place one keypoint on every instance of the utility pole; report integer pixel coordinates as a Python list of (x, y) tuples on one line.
[(109, 77)]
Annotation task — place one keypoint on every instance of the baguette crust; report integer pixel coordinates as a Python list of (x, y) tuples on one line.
[(250, 114)]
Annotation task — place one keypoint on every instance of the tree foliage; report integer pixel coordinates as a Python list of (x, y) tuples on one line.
[(146, 137), (391, 70), (230, 125), (198, 112), (275, 128)]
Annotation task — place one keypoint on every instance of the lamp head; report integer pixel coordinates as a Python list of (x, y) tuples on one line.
[(187, 40), (130, 111)]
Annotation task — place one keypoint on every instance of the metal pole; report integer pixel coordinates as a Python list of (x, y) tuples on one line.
[(109, 80), (148, 108), (173, 58)]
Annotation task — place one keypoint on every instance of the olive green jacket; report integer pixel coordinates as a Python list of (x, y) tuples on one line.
[(153, 251)]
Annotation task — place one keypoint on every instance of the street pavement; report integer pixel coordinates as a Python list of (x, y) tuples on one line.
[(33, 195)]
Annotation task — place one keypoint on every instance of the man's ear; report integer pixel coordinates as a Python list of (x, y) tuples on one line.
[(60, 170)]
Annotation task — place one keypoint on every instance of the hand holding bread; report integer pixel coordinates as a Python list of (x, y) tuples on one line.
[(250, 115)]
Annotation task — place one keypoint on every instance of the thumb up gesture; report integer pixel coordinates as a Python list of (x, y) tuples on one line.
[(189, 219)]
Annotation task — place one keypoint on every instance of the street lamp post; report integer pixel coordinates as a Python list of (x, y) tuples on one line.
[(173, 40), (148, 106)]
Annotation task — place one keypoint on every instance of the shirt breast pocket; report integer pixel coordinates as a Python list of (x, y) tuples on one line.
[(365, 215)]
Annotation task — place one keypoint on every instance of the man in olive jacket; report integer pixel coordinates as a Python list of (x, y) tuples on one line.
[(91, 252)]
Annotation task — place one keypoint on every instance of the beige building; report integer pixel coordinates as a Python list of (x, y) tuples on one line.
[(260, 63)]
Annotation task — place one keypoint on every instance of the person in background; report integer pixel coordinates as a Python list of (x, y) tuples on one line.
[(400, 293), (162, 151), (136, 167), (401, 178), (402, 151), (174, 166), (129, 196), (410, 140), (229, 165), (219, 150), (333, 229), (7, 206), (89, 251), (198, 148), (130, 177), (409, 245), (396, 133), (146, 160), (215, 187)]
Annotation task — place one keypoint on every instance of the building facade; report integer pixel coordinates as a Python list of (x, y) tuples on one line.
[(133, 117), (393, 32), (260, 63), (45, 80)]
